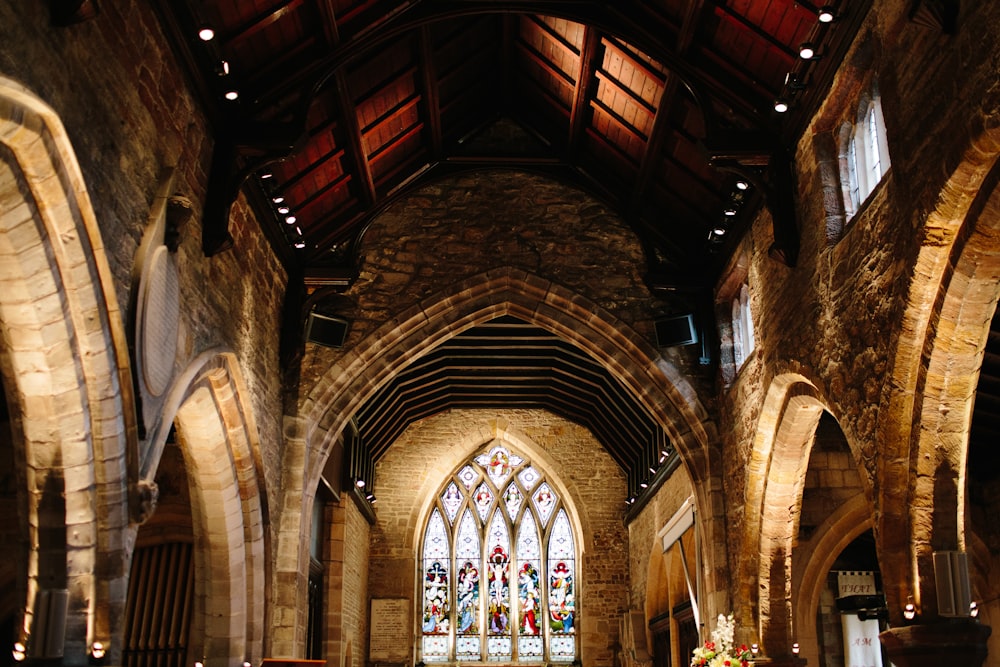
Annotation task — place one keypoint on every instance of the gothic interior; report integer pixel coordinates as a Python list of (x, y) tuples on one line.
[(372, 333)]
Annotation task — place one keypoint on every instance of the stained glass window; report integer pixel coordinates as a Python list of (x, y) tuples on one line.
[(499, 566)]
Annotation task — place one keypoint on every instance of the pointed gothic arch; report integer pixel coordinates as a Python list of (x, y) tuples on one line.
[(66, 374), (934, 372), (218, 438), (671, 400)]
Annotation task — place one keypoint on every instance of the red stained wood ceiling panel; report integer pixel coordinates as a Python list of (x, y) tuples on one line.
[(345, 103)]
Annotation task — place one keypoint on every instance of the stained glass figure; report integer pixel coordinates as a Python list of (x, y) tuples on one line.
[(451, 500), (498, 463), (436, 599), (512, 499), (529, 628), (483, 498), (468, 557), (497, 563), (545, 502), (562, 591)]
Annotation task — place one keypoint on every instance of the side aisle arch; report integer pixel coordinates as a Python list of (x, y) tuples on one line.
[(220, 445), (956, 283), (66, 374), (347, 384)]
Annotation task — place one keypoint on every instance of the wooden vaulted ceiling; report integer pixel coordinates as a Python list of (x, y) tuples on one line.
[(658, 107)]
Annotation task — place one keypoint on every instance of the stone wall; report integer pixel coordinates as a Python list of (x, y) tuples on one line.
[(126, 105), (464, 225)]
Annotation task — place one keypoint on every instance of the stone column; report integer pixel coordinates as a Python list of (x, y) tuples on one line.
[(956, 643)]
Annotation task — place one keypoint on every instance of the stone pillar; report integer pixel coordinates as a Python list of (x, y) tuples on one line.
[(956, 643)]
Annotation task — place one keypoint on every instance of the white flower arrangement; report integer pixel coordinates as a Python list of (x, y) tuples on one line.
[(720, 651)]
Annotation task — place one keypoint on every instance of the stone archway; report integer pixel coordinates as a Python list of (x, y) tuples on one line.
[(345, 387), (934, 376), (923, 470), (773, 493), (219, 442), (66, 373)]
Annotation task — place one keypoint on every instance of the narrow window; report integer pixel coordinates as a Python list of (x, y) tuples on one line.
[(854, 185)]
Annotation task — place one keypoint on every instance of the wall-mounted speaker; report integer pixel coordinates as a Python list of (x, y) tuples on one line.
[(326, 330), (48, 634), (951, 577), (675, 331)]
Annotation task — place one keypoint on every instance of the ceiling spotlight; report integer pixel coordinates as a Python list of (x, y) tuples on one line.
[(742, 185), (278, 199), (283, 210), (807, 51), (290, 220), (780, 105), (910, 609), (973, 609), (267, 174), (826, 15), (97, 650), (730, 212), (300, 244), (19, 653), (719, 231), (360, 483), (222, 68), (206, 33), (232, 95), (643, 485), (795, 648)]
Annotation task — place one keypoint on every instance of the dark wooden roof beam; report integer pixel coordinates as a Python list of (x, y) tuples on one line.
[(259, 23)]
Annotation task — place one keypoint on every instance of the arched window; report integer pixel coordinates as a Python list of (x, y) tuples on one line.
[(866, 155), (498, 566), (743, 338)]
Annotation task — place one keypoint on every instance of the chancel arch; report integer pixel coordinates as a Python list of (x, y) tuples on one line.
[(66, 377), (353, 379)]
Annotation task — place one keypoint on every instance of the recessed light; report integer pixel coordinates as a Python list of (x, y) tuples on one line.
[(283, 210), (807, 51), (742, 185), (826, 15), (232, 95), (780, 105), (290, 220), (206, 33)]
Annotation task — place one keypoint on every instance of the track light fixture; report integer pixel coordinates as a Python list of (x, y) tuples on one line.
[(781, 105)]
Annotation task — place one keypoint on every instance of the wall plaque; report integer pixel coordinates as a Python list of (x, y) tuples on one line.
[(390, 630)]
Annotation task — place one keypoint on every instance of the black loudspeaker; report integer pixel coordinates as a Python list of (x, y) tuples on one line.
[(675, 331), (326, 330)]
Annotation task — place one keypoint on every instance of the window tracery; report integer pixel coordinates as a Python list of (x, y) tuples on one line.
[(505, 533)]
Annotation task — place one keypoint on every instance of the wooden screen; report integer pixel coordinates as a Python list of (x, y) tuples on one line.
[(158, 611)]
